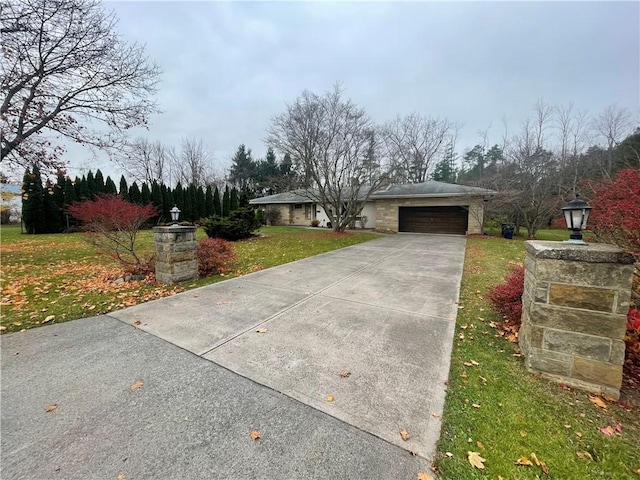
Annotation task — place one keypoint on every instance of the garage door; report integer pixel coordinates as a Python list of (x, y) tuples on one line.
[(453, 220)]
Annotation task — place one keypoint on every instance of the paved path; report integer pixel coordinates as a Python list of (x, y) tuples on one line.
[(383, 310)]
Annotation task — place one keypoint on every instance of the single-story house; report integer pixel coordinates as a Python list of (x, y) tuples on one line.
[(430, 207)]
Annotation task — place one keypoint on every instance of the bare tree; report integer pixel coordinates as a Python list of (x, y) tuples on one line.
[(145, 161), (192, 163), (543, 116), (64, 70), (330, 137), (413, 144), (613, 124)]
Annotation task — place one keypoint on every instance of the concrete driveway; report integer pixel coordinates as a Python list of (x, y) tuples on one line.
[(383, 310)]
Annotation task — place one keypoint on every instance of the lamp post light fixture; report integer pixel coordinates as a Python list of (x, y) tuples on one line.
[(576, 213), (175, 213)]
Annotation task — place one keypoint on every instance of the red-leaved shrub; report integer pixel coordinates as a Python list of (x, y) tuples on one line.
[(632, 338), (506, 298), (214, 256)]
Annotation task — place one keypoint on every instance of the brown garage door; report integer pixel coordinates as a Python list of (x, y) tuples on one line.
[(453, 220)]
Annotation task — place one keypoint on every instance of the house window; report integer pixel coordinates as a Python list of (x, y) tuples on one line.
[(297, 206)]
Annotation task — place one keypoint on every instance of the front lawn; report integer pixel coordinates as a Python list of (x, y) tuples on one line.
[(494, 407), (55, 278)]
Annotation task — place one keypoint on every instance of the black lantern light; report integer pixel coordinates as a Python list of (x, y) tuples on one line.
[(576, 213), (175, 213)]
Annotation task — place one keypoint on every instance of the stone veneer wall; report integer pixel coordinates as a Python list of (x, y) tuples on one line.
[(387, 210), (574, 311), (176, 257)]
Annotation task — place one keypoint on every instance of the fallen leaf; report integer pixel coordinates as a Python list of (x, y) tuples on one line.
[(330, 398), (137, 323), (524, 461), (435, 415), (539, 463), (566, 425), (449, 454), (345, 373), (476, 460), (584, 455), (608, 431), (261, 330), (51, 408), (121, 476), (50, 318), (578, 434), (137, 385), (413, 453), (523, 433), (480, 444), (3, 328), (404, 434), (474, 363), (467, 364), (425, 476), (597, 401), (619, 428), (255, 435), (475, 405)]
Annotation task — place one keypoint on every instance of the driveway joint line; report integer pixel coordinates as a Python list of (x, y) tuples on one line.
[(295, 304)]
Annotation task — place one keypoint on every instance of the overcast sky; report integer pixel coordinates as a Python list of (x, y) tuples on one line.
[(229, 67)]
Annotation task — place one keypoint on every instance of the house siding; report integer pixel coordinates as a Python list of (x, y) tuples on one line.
[(386, 211)]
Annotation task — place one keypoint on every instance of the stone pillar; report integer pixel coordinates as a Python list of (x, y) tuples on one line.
[(574, 313), (176, 257)]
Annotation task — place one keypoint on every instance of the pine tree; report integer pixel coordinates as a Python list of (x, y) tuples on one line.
[(110, 187), (208, 202), (124, 189), (33, 214), (99, 183), (134, 194), (187, 211), (77, 186), (217, 205), (52, 214), (202, 203), (146, 194), (233, 202), (226, 202), (243, 168), (178, 197), (167, 202), (69, 192), (156, 196), (85, 193), (91, 185)]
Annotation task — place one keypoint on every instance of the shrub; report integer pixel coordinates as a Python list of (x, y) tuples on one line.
[(112, 225), (506, 298), (315, 222), (260, 216), (273, 215), (632, 338), (240, 224), (215, 255)]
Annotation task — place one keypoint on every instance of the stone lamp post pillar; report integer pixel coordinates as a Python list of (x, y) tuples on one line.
[(574, 313), (176, 257)]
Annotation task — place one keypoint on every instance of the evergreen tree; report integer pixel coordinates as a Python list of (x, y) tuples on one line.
[(110, 187), (91, 185), (135, 196), (85, 193), (77, 186), (226, 202), (167, 202), (202, 203), (124, 189), (69, 192), (187, 212), (156, 195), (446, 170), (99, 183), (52, 214), (243, 168), (146, 194), (33, 213), (217, 205), (233, 202), (58, 198), (208, 202), (178, 198)]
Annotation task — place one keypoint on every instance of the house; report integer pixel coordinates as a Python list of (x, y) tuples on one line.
[(430, 207)]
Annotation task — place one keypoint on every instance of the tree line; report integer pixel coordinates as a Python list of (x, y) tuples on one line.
[(45, 203)]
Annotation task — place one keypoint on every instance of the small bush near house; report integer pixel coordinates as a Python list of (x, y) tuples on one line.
[(506, 298), (215, 255), (239, 224), (273, 215), (315, 222), (260, 216)]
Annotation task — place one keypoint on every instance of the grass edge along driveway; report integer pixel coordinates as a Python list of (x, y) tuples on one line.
[(506, 415), (59, 277)]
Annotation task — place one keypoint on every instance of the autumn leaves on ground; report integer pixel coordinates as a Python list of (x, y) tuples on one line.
[(500, 421), (55, 278)]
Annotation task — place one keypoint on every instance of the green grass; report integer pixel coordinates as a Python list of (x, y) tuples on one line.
[(520, 413), (63, 276)]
